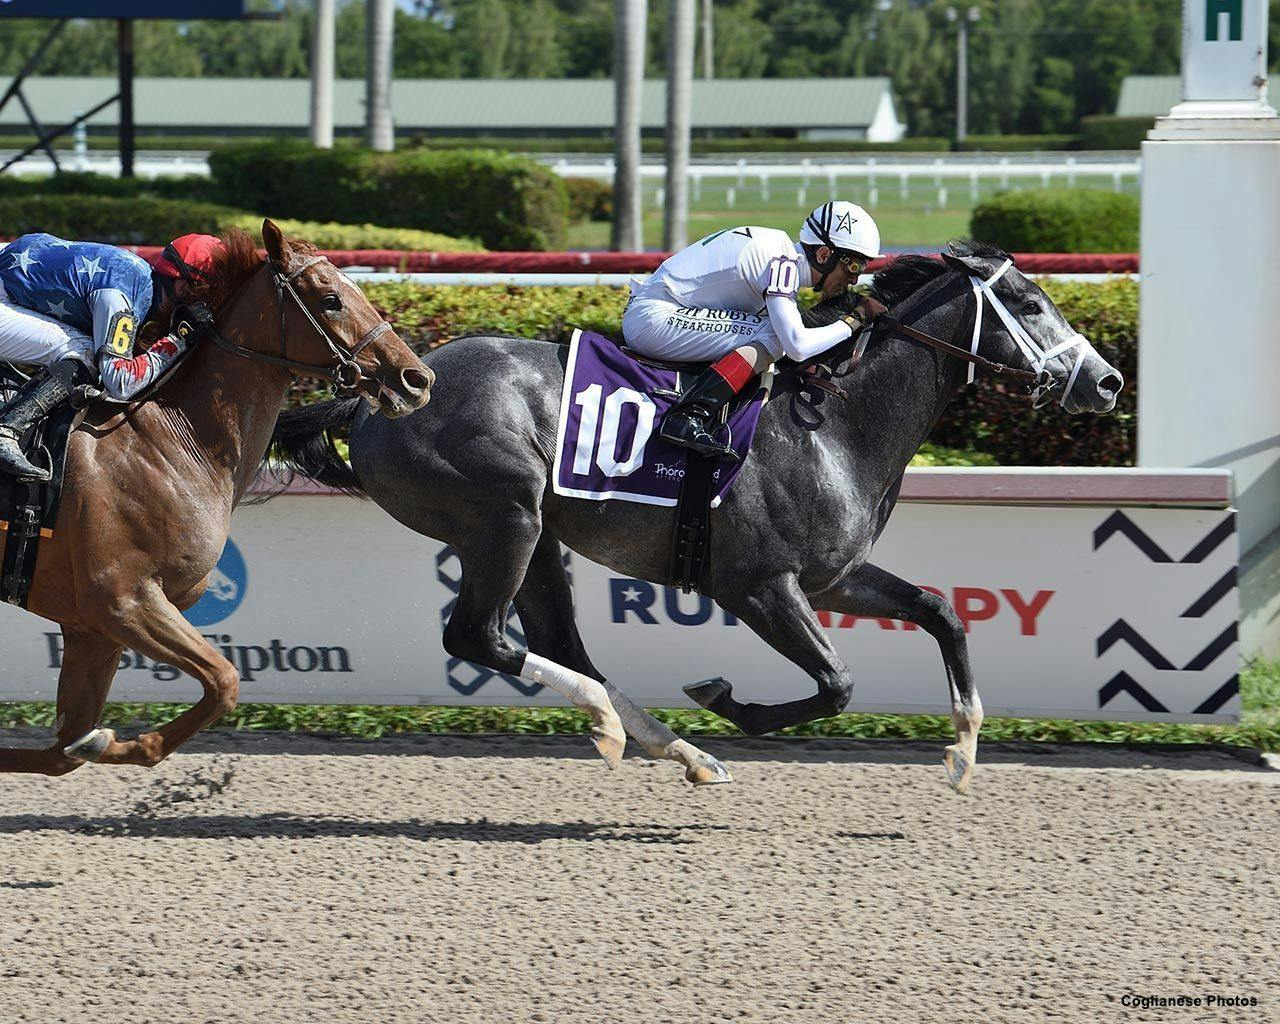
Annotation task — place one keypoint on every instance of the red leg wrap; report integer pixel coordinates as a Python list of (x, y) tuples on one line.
[(735, 370)]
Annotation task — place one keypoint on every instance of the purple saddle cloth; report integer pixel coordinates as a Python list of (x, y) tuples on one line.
[(607, 445)]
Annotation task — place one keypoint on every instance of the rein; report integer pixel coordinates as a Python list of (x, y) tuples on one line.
[(344, 372), (1040, 383), (975, 360)]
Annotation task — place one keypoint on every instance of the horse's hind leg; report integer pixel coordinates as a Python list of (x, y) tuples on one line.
[(494, 561), (778, 611), (545, 605), (150, 624), (89, 664), (873, 592)]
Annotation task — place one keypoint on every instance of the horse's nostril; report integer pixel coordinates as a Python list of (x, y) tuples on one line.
[(1111, 384), (417, 380)]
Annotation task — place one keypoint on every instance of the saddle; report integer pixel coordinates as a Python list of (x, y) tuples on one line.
[(28, 511), (691, 532)]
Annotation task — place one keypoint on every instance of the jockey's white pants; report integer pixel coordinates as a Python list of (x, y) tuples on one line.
[(38, 340), (664, 329)]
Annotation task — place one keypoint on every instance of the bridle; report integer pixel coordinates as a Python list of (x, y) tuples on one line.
[(1040, 382), (344, 372)]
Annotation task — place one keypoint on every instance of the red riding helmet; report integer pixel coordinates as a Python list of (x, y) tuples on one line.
[(190, 257)]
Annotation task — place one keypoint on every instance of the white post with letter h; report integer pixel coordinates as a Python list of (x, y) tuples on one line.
[(1209, 345)]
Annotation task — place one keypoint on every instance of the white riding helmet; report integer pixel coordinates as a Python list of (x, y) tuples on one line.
[(843, 226)]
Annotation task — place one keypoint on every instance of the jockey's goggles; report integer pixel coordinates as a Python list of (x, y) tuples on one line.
[(856, 264)]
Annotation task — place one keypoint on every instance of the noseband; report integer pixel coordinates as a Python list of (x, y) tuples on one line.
[(344, 372)]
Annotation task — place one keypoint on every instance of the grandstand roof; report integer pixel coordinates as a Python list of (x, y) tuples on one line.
[(1148, 95), (457, 104)]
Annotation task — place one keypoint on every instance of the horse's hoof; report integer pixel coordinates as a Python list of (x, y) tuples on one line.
[(91, 746), (707, 771), (707, 692), (959, 768), (610, 741)]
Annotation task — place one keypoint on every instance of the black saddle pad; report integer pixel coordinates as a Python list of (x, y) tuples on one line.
[(29, 511)]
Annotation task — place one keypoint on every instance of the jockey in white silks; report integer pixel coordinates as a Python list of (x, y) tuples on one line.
[(731, 298), (74, 309)]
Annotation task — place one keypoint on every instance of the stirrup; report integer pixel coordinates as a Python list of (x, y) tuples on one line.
[(716, 449), (31, 472)]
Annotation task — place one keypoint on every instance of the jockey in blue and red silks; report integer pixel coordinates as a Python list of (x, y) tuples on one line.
[(74, 310)]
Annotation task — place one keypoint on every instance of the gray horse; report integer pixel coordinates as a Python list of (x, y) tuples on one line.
[(793, 535)]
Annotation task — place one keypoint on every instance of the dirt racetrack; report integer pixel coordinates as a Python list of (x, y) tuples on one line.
[(289, 879)]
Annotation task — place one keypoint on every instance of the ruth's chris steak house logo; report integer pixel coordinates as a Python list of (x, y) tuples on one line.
[(249, 659), (649, 605)]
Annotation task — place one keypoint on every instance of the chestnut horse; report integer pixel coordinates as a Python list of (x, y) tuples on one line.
[(146, 506)]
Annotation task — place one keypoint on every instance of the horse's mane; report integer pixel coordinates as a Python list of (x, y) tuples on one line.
[(906, 275), (897, 282), (239, 260)]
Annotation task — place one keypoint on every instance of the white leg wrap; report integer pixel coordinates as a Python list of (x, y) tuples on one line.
[(643, 727), (91, 745), (581, 691)]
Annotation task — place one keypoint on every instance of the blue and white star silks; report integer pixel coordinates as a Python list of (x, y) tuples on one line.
[(23, 262), (91, 268), (64, 279)]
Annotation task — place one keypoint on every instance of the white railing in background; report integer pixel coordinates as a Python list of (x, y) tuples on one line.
[(811, 179)]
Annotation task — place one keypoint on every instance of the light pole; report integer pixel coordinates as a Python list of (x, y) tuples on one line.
[(961, 19), (322, 44), (675, 213), (378, 124), (628, 77)]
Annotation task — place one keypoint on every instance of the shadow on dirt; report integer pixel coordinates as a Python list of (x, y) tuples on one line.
[(289, 826)]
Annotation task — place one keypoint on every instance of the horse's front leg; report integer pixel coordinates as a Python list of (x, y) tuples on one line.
[(149, 623), (872, 592), (779, 613)]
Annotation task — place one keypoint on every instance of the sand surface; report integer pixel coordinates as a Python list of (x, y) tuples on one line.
[(282, 879)]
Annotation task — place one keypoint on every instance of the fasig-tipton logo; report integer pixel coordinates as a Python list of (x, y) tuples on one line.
[(227, 586), (249, 659)]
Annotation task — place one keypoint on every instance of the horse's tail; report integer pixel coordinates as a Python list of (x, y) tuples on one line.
[(303, 442)]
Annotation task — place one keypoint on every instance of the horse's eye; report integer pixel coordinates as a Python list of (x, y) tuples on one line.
[(331, 303), (1031, 309)]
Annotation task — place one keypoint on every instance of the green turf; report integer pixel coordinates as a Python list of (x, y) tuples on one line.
[(923, 218), (1259, 726)]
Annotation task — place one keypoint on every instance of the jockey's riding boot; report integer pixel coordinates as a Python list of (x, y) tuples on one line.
[(35, 400), (691, 422)]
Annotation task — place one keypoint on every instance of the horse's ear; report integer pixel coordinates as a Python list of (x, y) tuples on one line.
[(960, 255), (273, 240)]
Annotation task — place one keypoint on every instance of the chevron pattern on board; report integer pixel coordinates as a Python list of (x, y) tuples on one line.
[(1120, 631), (1119, 523), (466, 676)]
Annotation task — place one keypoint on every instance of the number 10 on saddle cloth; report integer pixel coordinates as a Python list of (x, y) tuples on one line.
[(607, 444)]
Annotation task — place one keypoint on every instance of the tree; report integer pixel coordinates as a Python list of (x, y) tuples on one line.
[(741, 39)]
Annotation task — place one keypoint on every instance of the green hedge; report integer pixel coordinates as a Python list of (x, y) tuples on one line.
[(506, 201), (194, 186), (986, 418), (1059, 220), (982, 418), (147, 220), (1018, 143), (1109, 131), (589, 199), (140, 220)]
